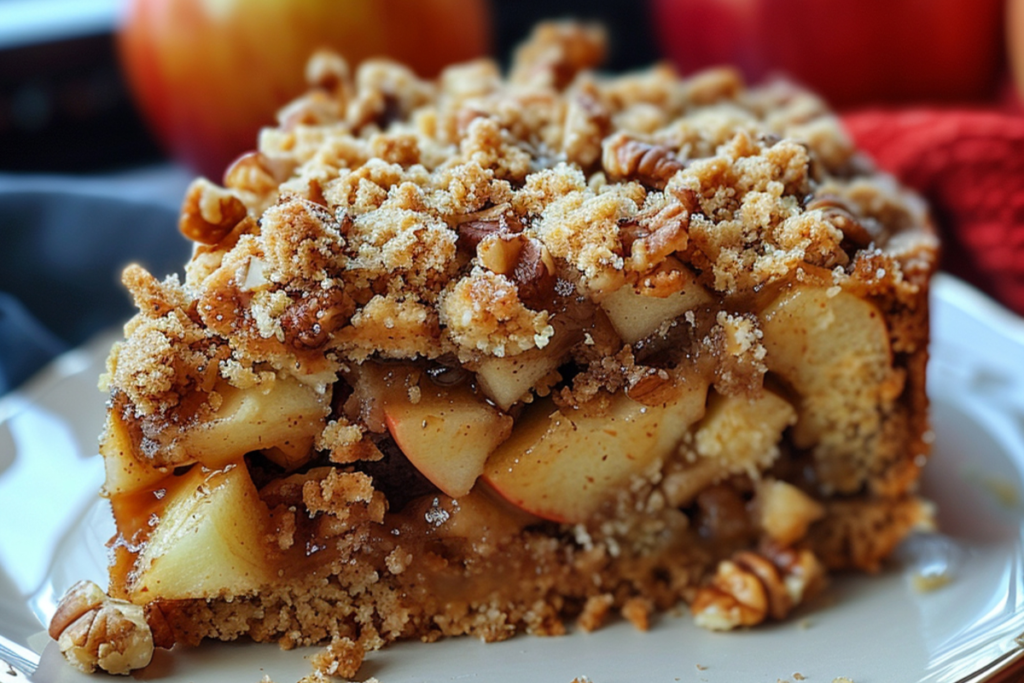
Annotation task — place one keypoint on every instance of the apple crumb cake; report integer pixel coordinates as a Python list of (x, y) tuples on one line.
[(482, 354)]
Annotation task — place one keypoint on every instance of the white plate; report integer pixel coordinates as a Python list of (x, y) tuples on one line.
[(869, 629)]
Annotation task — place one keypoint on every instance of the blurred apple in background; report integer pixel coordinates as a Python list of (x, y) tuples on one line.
[(1015, 40), (854, 52), (209, 73)]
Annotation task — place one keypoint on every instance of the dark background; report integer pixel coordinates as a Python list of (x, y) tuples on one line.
[(64, 106)]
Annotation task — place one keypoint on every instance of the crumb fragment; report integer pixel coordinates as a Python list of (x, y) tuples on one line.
[(925, 583), (637, 611), (595, 612), (341, 658)]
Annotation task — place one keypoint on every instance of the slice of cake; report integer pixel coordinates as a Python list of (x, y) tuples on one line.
[(483, 354)]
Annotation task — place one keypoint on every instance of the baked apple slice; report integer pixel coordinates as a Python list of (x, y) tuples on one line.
[(636, 316), (562, 467), (446, 432), (285, 414), (833, 349), (209, 539), (125, 473), (508, 379)]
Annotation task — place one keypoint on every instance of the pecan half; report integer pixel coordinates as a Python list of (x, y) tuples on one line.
[(95, 631), (624, 158)]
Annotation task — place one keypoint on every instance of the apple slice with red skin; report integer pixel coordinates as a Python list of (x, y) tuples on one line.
[(562, 467), (447, 434)]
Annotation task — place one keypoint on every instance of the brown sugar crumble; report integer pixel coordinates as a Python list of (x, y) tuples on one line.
[(693, 303)]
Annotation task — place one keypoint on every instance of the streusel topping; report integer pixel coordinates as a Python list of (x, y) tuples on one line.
[(392, 217)]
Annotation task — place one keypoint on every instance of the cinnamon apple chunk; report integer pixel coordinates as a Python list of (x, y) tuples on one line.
[(833, 349), (125, 471), (208, 540), (563, 466), (508, 379), (446, 432), (635, 315), (285, 414)]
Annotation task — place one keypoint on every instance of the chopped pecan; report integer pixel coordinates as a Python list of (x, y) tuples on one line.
[(855, 233), (735, 597), (209, 213), (257, 173), (471, 233), (523, 259), (328, 71), (779, 602), (649, 239), (95, 631), (630, 231), (556, 52), (534, 275), (625, 158), (309, 322)]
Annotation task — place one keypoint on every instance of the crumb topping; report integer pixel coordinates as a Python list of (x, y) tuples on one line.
[(352, 244)]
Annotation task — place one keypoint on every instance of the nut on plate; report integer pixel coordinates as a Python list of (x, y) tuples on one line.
[(96, 631), (754, 586)]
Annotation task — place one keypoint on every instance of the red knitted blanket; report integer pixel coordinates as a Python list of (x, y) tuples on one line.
[(969, 164)]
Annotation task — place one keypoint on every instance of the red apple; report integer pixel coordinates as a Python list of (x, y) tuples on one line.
[(1015, 41), (853, 52), (209, 73)]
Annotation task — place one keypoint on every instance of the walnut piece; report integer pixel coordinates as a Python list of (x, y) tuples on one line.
[(753, 586), (95, 631), (209, 212), (556, 53)]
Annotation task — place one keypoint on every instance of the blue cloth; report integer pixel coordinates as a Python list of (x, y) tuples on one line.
[(63, 245)]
